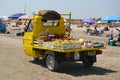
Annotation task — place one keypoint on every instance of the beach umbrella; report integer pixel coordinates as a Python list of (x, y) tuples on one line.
[(0, 16), (4, 17), (24, 17), (16, 16), (111, 18), (89, 20)]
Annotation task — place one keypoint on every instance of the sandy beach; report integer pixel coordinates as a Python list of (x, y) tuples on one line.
[(15, 65)]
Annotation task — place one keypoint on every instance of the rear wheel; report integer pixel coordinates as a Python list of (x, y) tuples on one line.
[(35, 59), (88, 61), (51, 63)]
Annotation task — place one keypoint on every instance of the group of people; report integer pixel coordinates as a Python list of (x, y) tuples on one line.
[(94, 31), (117, 40), (3, 27)]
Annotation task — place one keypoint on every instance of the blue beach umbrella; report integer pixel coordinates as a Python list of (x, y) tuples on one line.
[(16, 16), (111, 18)]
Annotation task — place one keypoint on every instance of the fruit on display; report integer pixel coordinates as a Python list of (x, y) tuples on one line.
[(68, 37), (57, 42), (86, 43), (90, 45), (40, 38), (63, 42), (66, 42), (81, 41), (60, 36)]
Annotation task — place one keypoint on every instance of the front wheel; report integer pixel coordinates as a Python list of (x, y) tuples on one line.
[(51, 63)]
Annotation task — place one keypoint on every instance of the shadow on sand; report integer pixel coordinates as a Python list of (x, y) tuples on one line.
[(76, 69)]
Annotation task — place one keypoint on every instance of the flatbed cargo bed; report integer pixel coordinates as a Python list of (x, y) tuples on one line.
[(67, 50)]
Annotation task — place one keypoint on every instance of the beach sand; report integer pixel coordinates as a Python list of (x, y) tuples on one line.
[(15, 65)]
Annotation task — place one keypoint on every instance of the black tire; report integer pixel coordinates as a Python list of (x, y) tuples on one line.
[(51, 63), (35, 59), (88, 61)]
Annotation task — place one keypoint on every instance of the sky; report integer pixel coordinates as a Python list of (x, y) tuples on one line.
[(80, 9)]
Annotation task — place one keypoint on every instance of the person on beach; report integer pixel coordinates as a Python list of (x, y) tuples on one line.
[(2, 27)]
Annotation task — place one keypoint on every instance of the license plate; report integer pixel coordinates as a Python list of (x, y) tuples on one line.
[(77, 56)]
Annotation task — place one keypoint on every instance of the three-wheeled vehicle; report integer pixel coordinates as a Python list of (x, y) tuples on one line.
[(46, 38)]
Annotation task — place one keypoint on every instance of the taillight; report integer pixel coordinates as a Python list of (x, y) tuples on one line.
[(99, 52), (69, 55)]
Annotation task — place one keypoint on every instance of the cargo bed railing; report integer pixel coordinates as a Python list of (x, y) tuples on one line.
[(69, 22)]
